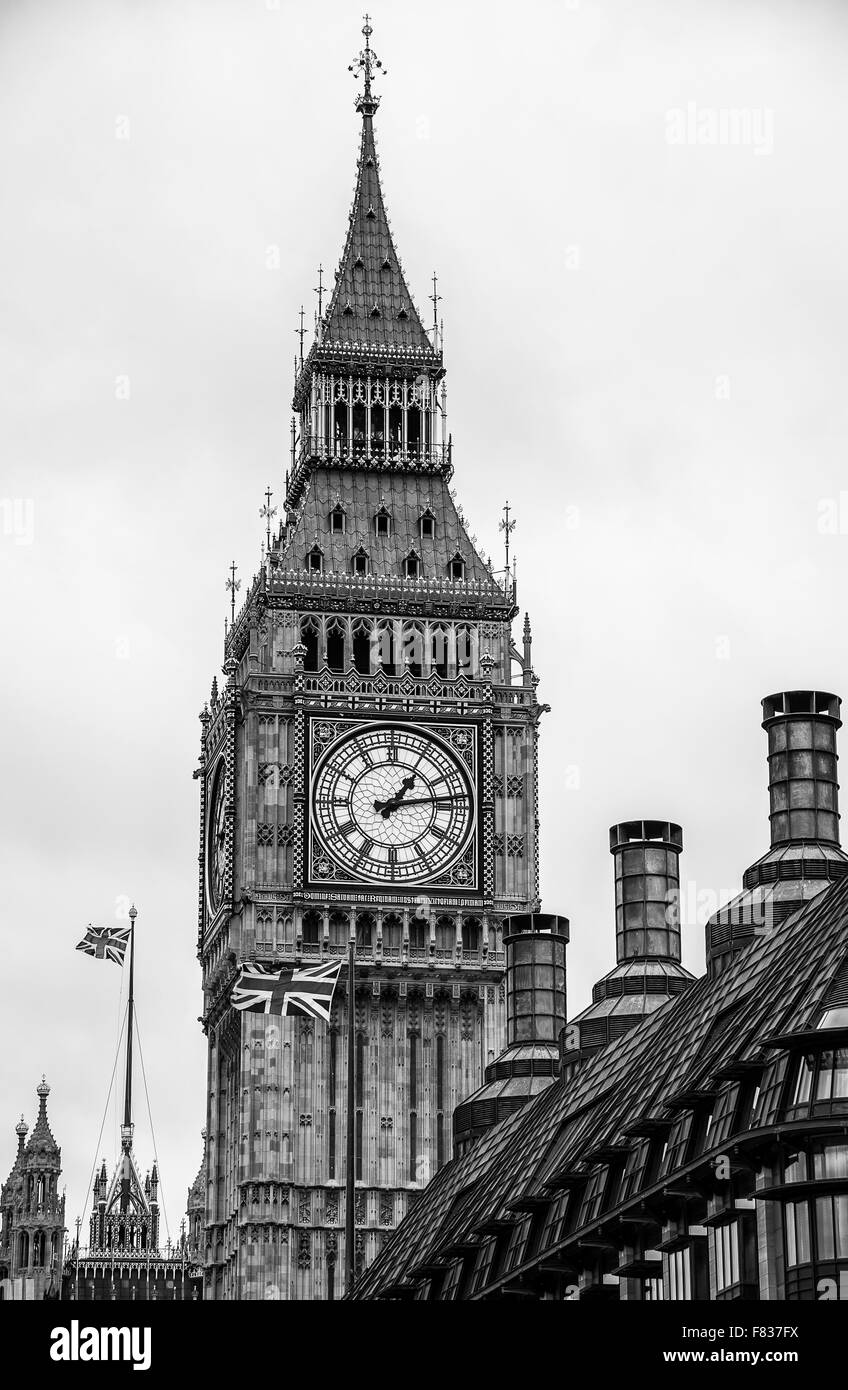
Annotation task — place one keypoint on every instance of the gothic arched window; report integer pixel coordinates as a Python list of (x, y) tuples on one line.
[(312, 928), (309, 633), (439, 650), (413, 649), (472, 934), (362, 656), (339, 928), (336, 634), (392, 934), (366, 924)]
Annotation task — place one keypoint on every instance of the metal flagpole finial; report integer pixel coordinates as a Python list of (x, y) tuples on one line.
[(366, 66), (233, 585)]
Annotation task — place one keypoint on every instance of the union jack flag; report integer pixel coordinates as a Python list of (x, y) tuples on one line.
[(307, 992), (106, 943)]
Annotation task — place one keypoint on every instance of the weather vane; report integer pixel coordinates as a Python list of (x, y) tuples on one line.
[(507, 526), (233, 585), (268, 513), (366, 66)]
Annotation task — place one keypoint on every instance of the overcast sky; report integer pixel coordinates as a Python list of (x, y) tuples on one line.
[(645, 308)]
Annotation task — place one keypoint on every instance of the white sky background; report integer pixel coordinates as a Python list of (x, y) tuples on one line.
[(604, 291)]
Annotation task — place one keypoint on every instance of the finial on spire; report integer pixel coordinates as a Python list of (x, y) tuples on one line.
[(301, 333), (435, 297), (365, 66), (268, 513), (319, 290), (233, 585), (507, 526)]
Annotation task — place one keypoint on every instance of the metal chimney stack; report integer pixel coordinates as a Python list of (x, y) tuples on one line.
[(805, 855), (646, 859), (535, 1015), (803, 790), (646, 854), (535, 945)]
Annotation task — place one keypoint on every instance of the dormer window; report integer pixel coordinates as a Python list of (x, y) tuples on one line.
[(402, 314), (360, 561), (412, 566), (383, 522), (338, 520), (427, 525), (315, 559), (456, 568), (358, 263)]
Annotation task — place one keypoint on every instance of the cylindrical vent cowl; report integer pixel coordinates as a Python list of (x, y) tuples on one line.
[(803, 790), (647, 888), (535, 945)]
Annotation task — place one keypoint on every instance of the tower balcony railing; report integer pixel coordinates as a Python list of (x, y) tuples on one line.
[(366, 451), (314, 586), (374, 953), (373, 451)]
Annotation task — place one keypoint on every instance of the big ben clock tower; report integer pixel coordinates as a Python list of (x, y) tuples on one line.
[(368, 768)]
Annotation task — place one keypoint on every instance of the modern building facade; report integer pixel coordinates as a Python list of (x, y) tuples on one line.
[(369, 767), (699, 1154)]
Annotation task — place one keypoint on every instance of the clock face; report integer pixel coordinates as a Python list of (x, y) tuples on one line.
[(391, 804), (216, 840)]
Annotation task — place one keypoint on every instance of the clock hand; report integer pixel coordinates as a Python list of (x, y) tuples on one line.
[(429, 801), (394, 801)]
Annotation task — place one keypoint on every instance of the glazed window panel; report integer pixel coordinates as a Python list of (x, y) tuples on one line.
[(678, 1141), (723, 1117), (593, 1198), (634, 1171), (724, 1242), (771, 1091), (796, 1222), (517, 1246), (678, 1275)]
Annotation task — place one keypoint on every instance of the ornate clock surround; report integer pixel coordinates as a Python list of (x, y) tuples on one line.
[(456, 741)]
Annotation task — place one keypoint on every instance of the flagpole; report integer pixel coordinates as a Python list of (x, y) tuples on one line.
[(126, 1131), (350, 1161), (128, 1086)]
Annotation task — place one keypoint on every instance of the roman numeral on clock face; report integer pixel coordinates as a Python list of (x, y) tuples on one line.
[(343, 828)]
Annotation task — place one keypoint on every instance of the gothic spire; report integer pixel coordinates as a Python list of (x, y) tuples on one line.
[(370, 303)]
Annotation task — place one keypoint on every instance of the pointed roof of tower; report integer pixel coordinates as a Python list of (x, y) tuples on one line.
[(41, 1141), (371, 310), (371, 302)]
